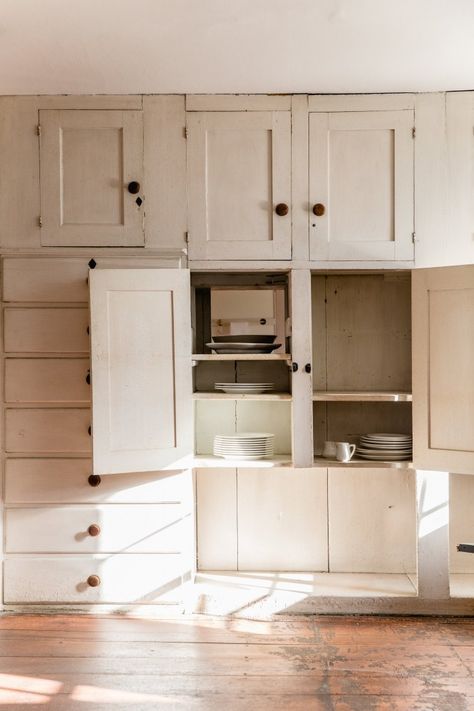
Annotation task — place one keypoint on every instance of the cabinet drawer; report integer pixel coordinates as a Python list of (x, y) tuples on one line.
[(159, 528), (50, 481), (47, 380), (54, 430), (52, 330), (44, 280), (125, 578)]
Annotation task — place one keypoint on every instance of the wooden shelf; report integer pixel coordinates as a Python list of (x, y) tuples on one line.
[(361, 396), (365, 463), (241, 356), (246, 396), (208, 460)]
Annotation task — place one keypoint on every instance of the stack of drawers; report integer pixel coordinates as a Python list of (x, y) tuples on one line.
[(72, 537)]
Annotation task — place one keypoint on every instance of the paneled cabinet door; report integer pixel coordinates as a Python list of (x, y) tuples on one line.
[(141, 369), (239, 185), (88, 162), (443, 369), (361, 185)]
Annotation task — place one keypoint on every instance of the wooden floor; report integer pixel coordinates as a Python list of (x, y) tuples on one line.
[(223, 664)]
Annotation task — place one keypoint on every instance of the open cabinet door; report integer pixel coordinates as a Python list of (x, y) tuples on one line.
[(141, 369), (443, 369)]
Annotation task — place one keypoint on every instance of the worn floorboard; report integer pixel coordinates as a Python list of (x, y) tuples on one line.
[(225, 664)]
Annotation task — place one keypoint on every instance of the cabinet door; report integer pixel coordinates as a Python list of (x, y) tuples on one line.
[(361, 172), (443, 369), (239, 170), (141, 369), (88, 159)]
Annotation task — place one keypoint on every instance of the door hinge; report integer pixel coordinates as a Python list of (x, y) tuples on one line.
[(186, 237), (38, 130), (185, 131), (413, 237), (40, 221), (413, 132)]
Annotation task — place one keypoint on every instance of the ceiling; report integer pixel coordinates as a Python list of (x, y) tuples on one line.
[(232, 46)]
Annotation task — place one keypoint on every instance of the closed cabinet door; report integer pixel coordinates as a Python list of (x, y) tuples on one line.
[(239, 185), (443, 369), (361, 185), (91, 176), (141, 369)]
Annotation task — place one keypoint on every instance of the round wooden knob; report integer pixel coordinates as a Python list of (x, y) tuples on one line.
[(94, 529), (133, 187), (94, 480), (281, 209), (319, 209), (93, 581)]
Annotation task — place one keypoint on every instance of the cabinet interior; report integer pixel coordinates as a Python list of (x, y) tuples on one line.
[(361, 332), (241, 304)]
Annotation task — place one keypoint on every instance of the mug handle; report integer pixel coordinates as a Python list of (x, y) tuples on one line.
[(352, 449)]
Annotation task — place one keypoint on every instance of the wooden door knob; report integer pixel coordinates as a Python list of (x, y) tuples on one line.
[(94, 529), (94, 480), (93, 581), (319, 209), (281, 209), (133, 187)]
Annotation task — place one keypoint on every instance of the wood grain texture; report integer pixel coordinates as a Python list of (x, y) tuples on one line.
[(310, 664)]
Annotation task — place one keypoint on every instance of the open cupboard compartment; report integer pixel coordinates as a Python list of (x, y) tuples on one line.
[(241, 304), (361, 332)]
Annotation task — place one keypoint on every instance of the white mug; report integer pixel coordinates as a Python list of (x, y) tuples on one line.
[(344, 451), (329, 450)]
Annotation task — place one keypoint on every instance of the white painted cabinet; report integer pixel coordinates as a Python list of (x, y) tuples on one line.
[(361, 185), (239, 185), (141, 369), (443, 368), (91, 177)]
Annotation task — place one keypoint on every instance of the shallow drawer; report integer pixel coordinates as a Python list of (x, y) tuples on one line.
[(47, 380), (45, 280), (67, 481), (138, 579), (158, 528), (52, 330), (53, 430)]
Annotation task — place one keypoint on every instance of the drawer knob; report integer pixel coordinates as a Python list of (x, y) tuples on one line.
[(94, 529), (88, 377), (89, 430), (133, 187), (93, 581), (94, 480), (319, 209), (281, 209)]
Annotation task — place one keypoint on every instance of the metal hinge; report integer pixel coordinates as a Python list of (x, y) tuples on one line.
[(38, 130), (40, 221), (413, 237), (185, 131), (186, 237), (413, 132)]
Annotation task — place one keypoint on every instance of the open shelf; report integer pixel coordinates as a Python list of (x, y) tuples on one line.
[(241, 356), (361, 396), (245, 396), (365, 463), (208, 460)]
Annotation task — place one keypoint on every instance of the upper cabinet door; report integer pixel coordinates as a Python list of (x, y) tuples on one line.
[(361, 185), (88, 159), (239, 185), (141, 369), (443, 369)]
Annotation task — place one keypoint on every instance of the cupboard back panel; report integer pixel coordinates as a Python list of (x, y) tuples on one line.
[(55, 330), (346, 421), (207, 374), (362, 332)]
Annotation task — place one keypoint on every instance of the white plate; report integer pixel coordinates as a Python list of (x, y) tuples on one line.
[(380, 453), (387, 437), (385, 457), (242, 457), (246, 435)]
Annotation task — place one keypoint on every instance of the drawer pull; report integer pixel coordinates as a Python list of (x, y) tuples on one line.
[(93, 530), (88, 377), (93, 581), (94, 480), (133, 187), (89, 430), (319, 209), (281, 209)]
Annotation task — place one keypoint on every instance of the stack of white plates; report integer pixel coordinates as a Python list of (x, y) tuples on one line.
[(244, 388), (385, 446), (244, 445)]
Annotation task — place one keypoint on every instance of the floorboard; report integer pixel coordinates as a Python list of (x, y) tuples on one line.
[(214, 664)]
